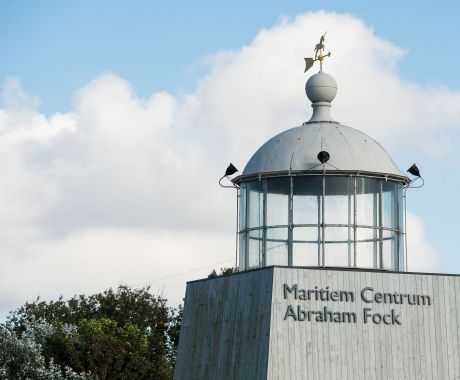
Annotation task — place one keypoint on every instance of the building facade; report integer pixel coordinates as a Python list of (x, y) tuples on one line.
[(305, 323), (323, 290)]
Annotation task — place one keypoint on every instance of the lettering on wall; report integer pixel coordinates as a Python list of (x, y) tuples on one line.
[(368, 295)]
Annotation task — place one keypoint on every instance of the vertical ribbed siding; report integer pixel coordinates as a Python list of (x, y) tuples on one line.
[(234, 328), (425, 346), (226, 326)]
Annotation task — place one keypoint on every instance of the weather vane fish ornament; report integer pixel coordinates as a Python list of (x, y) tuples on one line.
[(319, 55)]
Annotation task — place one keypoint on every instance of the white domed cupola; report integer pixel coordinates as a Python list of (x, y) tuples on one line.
[(321, 194)]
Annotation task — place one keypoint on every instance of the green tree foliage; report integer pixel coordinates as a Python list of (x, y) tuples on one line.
[(229, 270), (223, 272), (21, 356), (118, 334), (175, 322)]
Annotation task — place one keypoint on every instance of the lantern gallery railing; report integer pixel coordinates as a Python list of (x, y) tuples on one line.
[(316, 220)]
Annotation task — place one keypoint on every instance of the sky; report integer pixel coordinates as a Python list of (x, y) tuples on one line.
[(118, 118)]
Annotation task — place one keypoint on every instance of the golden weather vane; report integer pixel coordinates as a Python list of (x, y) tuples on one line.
[(319, 55)]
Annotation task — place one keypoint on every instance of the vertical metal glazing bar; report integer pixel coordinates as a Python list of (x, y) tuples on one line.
[(380, 200), (318, 202), (237, 235), (398, 233), (246, 225), (349, 222), (355, 179), (375, 231), (406, 263), (323, 227), (264, 229), (246, 200), (290, 221)]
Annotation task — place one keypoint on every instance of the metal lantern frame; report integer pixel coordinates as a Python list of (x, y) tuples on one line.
[(265, 234)]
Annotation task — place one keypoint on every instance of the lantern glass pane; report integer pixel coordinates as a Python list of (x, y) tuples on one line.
[(367, 245), (255, 203), (338, 248), (367, 201), (307, 200), (255, 244), (278, 190), (277, 246), (338, 201), (306, 246)]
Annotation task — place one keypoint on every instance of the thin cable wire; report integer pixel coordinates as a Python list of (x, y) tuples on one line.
[(180, 274), (3, 317)]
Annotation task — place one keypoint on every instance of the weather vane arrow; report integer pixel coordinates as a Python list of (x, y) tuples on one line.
[(319, 55)]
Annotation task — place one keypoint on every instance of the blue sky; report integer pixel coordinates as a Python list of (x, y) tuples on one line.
[(56, 47), (111, 178)]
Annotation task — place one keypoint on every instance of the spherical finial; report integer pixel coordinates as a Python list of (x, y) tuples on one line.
[(321, 87)]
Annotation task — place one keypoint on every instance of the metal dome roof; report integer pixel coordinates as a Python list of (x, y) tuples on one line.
[(296, 150)]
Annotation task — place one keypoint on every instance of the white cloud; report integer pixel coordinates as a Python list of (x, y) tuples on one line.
[(124, 189), (14, 97), (421, 256), (96, 259)]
